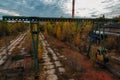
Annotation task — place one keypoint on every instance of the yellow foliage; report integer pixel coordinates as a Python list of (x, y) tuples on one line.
[(93, 55), (40, 51), (59, 32), (68, 30), (72, 27), (87, 27), (77, 40), (45, 32), (65, 30)]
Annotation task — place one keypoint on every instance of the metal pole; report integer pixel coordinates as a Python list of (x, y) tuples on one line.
[(35, 40), (73, 8)]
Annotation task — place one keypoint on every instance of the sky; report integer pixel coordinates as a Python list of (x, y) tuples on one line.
[(57, 8)]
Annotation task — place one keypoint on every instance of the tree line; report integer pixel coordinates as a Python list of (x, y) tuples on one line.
[(69, 32), (76, 34), (12, 28)]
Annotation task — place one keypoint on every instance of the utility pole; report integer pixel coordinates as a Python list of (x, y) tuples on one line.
[(73, 8)]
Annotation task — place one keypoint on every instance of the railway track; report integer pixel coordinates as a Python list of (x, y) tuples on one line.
[(114, 71), (14, 68), (115, 59), (114, 65), (52, 66), (5, 52)]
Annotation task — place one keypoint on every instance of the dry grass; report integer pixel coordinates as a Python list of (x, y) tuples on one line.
[(73, 60), (72, 63), (28, 43), (78, 66), (6, 40), (40, 51)]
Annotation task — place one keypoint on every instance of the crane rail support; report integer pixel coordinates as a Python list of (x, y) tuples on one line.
[(55, 19), (113, 71), (117, 60)]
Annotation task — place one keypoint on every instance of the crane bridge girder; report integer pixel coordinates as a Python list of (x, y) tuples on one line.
[(55, 19)]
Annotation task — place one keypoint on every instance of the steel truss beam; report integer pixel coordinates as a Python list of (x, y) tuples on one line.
[(23, 18)]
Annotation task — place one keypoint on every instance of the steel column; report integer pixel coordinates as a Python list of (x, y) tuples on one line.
[(34, 35)]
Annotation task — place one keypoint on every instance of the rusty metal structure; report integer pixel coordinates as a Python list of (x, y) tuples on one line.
[(35, 29)]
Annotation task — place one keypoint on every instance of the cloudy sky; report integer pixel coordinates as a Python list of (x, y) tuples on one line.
[(57, 8)]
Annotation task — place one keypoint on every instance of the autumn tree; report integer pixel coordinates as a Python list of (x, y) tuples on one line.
[(65, 31), (59, 32), (77, 40), (40, 51), (45, 30), (12, 28)]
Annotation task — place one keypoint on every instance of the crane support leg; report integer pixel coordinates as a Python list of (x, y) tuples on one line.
[(35, 41)]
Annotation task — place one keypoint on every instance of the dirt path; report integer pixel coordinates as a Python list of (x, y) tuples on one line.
[(13, 44), (88, 71)]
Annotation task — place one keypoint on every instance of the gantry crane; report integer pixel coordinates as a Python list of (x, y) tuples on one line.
[(35, 29)]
